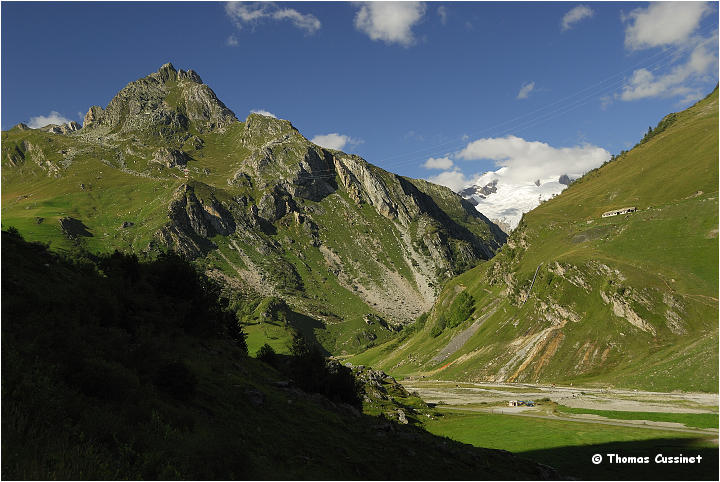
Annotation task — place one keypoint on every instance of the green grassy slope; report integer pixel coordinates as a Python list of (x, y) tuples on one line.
[(628, 300), (115, 369)]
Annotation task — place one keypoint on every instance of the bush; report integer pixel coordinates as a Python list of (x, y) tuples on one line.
[(460, 310), (312, 373), (266, 354), (439, 327)]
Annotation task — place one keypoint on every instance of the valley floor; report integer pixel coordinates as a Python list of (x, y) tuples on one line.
[(459, 393), (568, 426)]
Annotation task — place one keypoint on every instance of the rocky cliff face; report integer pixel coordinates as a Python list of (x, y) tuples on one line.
[(193, 221), (283, 182)]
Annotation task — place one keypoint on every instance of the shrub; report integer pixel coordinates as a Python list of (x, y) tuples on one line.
[(439, 327), (266, 354), (460, 310)]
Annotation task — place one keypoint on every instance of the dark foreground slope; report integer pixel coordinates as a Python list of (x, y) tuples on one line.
[(629, 300), (114, 369)]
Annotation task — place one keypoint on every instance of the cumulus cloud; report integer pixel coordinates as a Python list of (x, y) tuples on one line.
[(232, 41), (438, 163), (525, 90), (390, 22), (575, 15), (524, 161), (263, 112), (663, 23), (53, 117), (454, 179), (244, 13), (680, 80), (334, 141)]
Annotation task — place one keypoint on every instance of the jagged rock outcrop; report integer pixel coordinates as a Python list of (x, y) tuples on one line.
[(193, 221), (167, 101), (71, 126), (93, 115), (171, 157)]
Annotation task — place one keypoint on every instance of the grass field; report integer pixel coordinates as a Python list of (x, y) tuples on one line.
[(698, 420), (569, 446)]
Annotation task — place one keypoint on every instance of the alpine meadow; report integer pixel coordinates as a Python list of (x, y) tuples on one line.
[(191, 294)]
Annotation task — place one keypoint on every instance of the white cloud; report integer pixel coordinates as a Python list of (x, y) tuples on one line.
[(442, 12), (527, 173), (43, 120), (575, 15), (682, 79), (438, 163), (232, 41), (525, 90), (334, 141), (243, 13), (454, 179), (525, 161), (390, 22), (663, 23), (263, 112)]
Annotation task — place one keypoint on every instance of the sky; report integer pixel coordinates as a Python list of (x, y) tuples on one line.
[(437, 90)]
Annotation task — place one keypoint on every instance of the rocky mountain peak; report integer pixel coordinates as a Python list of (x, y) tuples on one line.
[(261, 129), (163, 102), (167, 72)]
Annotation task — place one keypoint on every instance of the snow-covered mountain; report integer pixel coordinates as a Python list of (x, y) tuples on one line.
[(505, 202)]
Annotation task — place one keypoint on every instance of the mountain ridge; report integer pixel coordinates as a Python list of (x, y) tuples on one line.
[(165, 165)]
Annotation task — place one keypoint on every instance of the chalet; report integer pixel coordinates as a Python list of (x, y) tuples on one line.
[(616, 212), (521, 403)]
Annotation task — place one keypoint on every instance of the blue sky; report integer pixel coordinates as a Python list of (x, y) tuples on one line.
[(470, 85)]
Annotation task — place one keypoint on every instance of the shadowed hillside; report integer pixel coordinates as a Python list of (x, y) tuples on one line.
[(115, 369)]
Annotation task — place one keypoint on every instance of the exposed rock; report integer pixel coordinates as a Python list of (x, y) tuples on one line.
[(146, 105), (170, 157), (481, 192), (71, 126), (127, 224), (93, 115), (21, 127), (193, 221), (623, 309), (565, 179), (401, 417)]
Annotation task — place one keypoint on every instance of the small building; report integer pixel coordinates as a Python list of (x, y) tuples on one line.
[(616, 212), (513, 403)]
